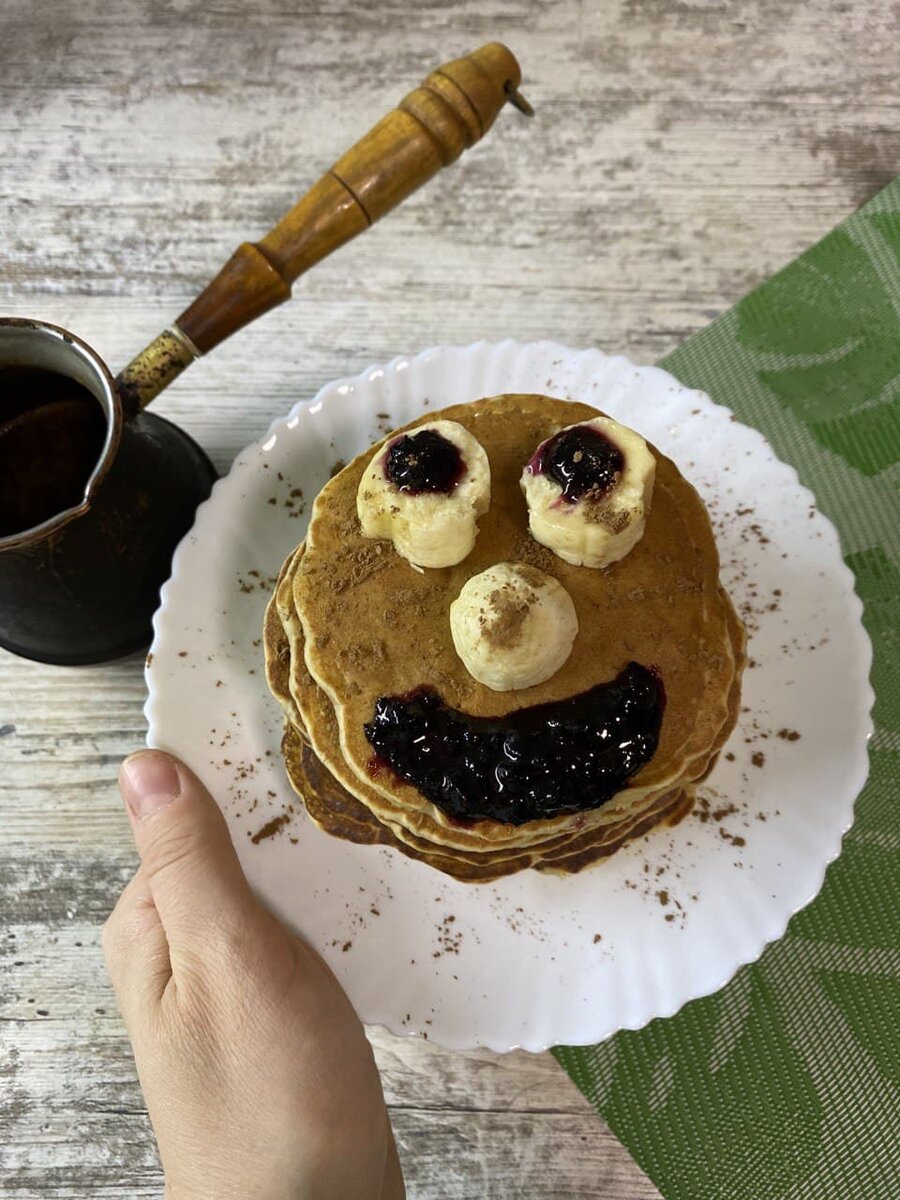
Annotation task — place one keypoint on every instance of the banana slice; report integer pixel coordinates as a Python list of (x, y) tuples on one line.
[(425, 491), (588, 490), (513, 626)]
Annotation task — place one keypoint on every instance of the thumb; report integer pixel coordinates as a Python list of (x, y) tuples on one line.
[(187, 857)]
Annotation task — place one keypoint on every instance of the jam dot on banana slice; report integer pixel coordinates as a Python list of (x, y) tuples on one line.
[(424, 462), (582, 461)]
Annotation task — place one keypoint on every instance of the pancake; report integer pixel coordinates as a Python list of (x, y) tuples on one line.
[(277, 645), (341, 814), (277, 649), (320, 718), (351, 621), (319, 714), (660, 605), (576, 839)]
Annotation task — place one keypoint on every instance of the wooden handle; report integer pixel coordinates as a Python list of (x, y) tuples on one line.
[(429, 129)]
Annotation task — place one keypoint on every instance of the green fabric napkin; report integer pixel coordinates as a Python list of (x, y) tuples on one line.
[(807, 1104)]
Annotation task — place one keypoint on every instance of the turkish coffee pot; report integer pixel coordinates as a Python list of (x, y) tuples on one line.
[(96, 492)]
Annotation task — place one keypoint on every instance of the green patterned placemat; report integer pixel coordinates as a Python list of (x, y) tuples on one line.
[(806, 1105)]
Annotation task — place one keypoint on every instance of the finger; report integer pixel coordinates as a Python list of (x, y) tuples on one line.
[(187, 857), (393, 1187), (136, 951)]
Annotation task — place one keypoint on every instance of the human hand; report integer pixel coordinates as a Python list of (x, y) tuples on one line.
[(258, 1077)]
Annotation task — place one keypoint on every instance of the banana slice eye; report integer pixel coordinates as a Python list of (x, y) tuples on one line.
[(425, 491), (588, 489)]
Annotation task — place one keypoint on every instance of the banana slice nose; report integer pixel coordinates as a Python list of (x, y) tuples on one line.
[(513, 626), (588, 489), (425, 491)]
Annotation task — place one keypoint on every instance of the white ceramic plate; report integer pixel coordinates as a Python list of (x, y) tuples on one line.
[(532, 960)]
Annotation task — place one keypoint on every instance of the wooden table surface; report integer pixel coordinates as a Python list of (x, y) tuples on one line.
[(681, 152)]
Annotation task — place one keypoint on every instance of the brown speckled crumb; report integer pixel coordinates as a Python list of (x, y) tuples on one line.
[(270, 829)]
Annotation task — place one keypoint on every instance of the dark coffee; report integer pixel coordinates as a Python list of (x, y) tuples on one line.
[(51, 437)]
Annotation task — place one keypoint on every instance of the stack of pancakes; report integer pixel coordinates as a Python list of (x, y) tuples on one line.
[(351, 621)]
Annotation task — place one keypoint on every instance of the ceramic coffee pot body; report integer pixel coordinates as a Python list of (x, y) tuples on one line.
[(81, 585)]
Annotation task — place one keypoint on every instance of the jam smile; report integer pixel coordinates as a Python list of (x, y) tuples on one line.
[(560, 757)]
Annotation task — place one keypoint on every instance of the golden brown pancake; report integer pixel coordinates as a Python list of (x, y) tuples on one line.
[(306, 696), (564, 852), (339, 813), (675, 616), (351, 621), (312, 700)]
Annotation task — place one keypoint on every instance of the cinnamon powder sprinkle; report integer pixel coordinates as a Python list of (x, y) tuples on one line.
[(270, 828), (509, 611), (508, 617)]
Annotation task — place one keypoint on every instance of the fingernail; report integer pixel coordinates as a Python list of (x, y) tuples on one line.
[(149, 781)]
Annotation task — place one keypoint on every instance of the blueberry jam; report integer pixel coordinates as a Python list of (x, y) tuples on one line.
[(561, 757), (424, 462), (581, 460)]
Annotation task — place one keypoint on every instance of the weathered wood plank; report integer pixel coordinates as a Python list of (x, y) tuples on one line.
[(681, 152), (73, 1117)]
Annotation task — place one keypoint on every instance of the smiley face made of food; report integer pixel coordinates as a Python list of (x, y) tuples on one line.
[(559, 683)]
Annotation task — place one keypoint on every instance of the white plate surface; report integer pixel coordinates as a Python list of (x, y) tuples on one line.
[(532, 960)]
